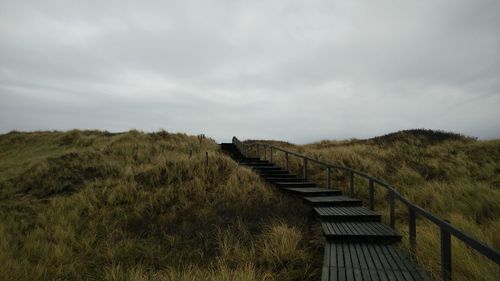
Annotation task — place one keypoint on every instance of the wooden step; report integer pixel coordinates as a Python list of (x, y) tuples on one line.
[(290, 178), (273, 172), (258, 165), (251, 159), (333, 201), (284, 184), (366, 261), (268, 168), (250, 162), (359, 232), (311, 191), (346, 214)]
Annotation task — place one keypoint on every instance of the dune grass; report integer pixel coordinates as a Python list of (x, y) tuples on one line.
[(91, 205), (454, 177)]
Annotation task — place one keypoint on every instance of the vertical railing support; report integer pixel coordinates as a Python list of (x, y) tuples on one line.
[(412, 228), (372, 195), (445, 254), (258, 150), (270, 155), (351, 182), (206, 158), (328, 180), (391, 208), (304, 171), (265, 152), (286, 161)]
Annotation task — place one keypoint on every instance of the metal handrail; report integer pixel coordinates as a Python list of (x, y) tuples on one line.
[(446, 228)]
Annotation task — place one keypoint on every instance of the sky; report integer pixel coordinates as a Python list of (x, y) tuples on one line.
[(298, 71)]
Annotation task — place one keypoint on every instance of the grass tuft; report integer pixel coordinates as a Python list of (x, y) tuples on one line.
[(453, 176), (91, 205)]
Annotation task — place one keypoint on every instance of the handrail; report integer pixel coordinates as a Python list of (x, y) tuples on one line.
[(446, 228), (241, 146)]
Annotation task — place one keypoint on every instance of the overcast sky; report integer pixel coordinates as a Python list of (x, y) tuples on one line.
[(292, 70)]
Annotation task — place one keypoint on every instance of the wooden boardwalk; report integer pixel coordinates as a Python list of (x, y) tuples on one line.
[(357, 245)]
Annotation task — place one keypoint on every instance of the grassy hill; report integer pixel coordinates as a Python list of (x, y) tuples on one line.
[(91, 205), (453, 176)]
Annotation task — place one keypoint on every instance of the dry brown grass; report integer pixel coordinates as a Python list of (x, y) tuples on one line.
[(90, 205), (454, 177)]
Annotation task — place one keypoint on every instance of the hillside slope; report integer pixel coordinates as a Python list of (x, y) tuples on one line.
[(455, 177), (91, 205)]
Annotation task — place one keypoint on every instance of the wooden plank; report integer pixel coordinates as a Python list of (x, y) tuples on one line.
[(368, 259), (284, 184), (344, 211), (308, 191), (327, 261), (353, 229), (340, 255), (347, 255), (259, 164), (394, 263), (274, 173), (355, 261), (365, 261), (290, 178), (358, 231), (389, 271), (342, 274), (410, 270), (332, 201)]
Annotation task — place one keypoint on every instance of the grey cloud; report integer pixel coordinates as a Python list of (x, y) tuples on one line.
[(293, 70)]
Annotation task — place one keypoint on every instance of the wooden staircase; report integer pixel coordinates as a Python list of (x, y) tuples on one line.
[(358, 246)]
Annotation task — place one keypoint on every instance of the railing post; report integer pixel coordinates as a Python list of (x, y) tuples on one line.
[(351, 182), (258, 150), (270, 155), (446, 229), (391, 208), (445, 254), (412, 228), (206, 158), (304, 171), (328, 180), (372, 196), (286, 161)]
